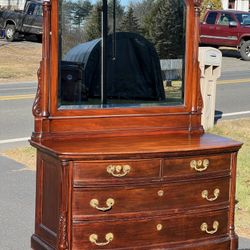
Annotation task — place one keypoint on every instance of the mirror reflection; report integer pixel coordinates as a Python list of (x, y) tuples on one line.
[(116, 53)]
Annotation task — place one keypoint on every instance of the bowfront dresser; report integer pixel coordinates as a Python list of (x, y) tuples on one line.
[(127, 176)]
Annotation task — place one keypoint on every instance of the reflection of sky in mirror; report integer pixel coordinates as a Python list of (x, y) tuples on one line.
[(123, 2)]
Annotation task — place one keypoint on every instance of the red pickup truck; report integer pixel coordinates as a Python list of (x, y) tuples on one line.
[(227, 28)]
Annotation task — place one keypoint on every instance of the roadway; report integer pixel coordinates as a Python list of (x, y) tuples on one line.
[(15, 110), (233, 88)]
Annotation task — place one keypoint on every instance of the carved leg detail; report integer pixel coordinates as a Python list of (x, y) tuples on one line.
[(63, 242)]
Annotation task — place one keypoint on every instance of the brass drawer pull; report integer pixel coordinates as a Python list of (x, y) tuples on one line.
[(204, 195), (204, 227), (199, 165), (94, 237), (118, 170), (95, 204)]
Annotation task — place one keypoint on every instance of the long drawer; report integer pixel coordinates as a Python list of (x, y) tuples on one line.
[(132, 199), (142, 232)]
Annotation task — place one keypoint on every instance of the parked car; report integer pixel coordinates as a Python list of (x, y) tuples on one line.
[(26, 22), (227, 28)]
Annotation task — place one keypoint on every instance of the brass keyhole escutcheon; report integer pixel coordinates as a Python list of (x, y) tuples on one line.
[(160, 193), (159, 227)]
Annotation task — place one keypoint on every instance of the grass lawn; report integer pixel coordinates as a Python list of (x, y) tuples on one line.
[(19, 61), (240, 130), (235, 129)]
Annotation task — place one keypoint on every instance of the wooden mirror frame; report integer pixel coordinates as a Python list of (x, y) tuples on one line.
[(54, 123)]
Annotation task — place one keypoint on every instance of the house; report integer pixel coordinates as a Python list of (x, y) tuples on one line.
[(12, 4), (243, 5)]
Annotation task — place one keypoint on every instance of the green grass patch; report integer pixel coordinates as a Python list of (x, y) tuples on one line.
[(240, 130)]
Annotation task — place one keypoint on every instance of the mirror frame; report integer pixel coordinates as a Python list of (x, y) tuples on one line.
[(50, 120)]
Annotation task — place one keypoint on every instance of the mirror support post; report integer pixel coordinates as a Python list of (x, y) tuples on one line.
[(104, 52)]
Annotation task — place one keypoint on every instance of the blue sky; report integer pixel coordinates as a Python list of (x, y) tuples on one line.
[(125, 2)]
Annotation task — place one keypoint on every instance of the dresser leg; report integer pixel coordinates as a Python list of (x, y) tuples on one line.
[(234, 242), (38, 244)]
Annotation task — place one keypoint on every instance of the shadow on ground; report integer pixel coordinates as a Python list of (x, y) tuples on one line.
[(217, 116), (230, 52)]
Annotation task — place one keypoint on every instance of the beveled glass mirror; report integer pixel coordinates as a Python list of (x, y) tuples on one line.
[(121, 53)]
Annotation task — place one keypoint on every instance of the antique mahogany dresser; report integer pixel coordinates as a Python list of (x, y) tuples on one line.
[(122, 159)]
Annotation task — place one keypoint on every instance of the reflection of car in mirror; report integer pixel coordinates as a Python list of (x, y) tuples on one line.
[(227, 28), (26, 22)]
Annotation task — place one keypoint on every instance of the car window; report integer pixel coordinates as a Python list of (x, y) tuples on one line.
[(225, 19), (211, 18), (39, 10), (31, 9), (244, 19)]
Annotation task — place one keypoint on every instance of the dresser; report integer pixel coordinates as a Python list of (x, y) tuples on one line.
[(126, 175), (168, 192)]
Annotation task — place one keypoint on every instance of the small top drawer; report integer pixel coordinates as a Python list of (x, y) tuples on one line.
[(196, 165), (113, 171)]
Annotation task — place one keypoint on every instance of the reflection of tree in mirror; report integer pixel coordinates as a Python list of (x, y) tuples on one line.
[(142, 8), (129, 22), (93, 23), (74, 14), (93, 28), (119, 14), (165, 27), (160, 21), (81, 10)]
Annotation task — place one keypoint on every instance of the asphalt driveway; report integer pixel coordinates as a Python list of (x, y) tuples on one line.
[(17, 205)]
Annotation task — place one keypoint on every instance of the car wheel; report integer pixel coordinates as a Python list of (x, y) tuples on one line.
[(10, 32), (245, 51)]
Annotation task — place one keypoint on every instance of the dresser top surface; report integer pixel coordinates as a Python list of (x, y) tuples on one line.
[(143, 145)]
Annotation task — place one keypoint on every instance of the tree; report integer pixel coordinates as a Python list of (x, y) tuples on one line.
[(210, 4), (129, 22)]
